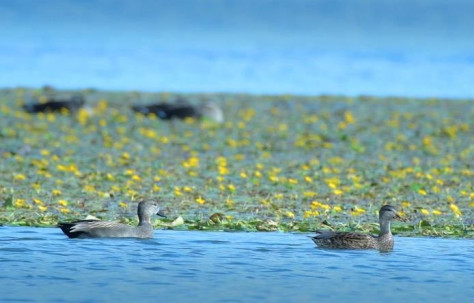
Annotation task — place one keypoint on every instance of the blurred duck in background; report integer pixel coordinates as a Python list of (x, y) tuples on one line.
[(181, 109), (55, 104)]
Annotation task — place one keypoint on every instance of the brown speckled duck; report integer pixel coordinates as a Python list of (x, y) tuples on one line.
[(351, 240)]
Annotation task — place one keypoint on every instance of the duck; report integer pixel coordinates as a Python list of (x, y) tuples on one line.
[(107, 229), (71, 104), (351, 240), (181, 110)]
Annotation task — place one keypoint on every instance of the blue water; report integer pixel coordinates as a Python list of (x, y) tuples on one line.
[(41, 265), (405, 47)]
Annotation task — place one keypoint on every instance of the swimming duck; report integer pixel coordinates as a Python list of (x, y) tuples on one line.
[(106, 229), (351, 240), (55, 105), (181, 110)]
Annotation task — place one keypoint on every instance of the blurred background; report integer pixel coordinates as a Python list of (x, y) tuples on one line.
[(419, 48)]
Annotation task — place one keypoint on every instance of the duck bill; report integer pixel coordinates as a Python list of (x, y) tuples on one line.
[(161, 213)]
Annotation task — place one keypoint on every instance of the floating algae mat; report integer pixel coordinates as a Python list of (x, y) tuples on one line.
[(277, 162)]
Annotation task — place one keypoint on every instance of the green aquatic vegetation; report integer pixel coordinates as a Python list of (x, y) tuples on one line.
[(277, 163)]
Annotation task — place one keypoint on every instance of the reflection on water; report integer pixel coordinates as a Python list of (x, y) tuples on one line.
[(42, 265)]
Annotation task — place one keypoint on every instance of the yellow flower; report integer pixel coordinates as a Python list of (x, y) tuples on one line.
[(317, 204), (200, 200), (177, 191), (290, 214), (310, 213), (243, 175), (156, 187), (422, 192), (292, 181), (56, 192), (426, 140), (337, 208), (455, 209), (42, 208), (19, 177), (308, 179), (38, 201), (337, 192), (309, 194), (123, 204), (187, 189), (437, 212), (406, 204), (357, 211), (64, 210), (273, 178), (348, 117), (425, 212), (132, 193), (129, 172), (63, 202), (191, 162), (231, 187), (89, 188), (136, 178), (223, 170), (258, 174), (20, 203), (436, 189)]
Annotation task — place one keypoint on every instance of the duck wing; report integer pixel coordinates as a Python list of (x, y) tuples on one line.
[(344, 240), (95, 229)]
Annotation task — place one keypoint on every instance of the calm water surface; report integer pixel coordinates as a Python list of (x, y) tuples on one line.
[(41, 265)]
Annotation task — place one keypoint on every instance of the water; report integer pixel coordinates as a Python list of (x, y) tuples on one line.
[(41, 265), (406, 47)]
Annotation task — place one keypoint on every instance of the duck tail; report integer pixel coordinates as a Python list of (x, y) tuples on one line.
[(66, 228)]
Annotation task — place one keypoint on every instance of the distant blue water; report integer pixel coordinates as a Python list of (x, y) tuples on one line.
[(42, 265), (404, 47)]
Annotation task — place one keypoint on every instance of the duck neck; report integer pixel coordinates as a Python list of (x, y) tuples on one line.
[(144, 221), (384, 227)]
